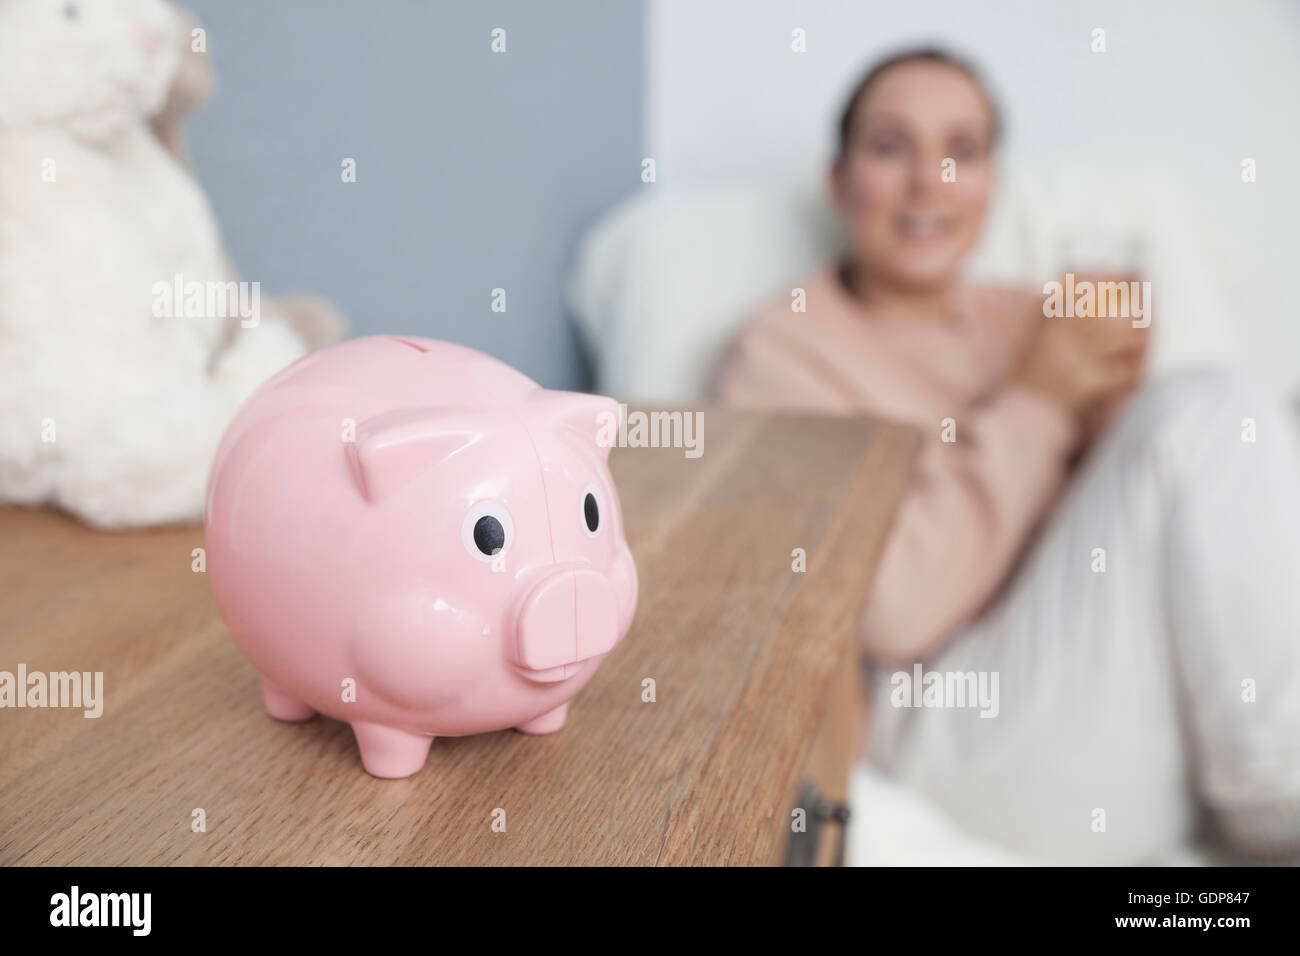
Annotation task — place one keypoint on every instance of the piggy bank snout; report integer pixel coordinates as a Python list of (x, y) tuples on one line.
[(565, 619)]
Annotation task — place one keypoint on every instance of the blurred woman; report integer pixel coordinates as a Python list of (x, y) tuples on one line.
[(1139, 609)]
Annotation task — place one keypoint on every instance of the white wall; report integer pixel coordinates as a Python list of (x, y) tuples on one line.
[(1185, 90)]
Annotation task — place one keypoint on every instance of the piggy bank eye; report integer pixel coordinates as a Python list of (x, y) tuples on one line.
[(591, 511), (489, 536), (488, 531)]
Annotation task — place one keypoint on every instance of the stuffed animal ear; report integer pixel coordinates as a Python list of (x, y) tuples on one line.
[(392, 448), (593, 418)]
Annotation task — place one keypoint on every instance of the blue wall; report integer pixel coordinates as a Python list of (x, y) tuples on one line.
[(474, 170)]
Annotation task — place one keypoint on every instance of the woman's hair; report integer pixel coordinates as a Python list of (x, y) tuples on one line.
[(917, 55)]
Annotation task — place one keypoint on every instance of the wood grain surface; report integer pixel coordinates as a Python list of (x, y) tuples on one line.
[(744, 654)]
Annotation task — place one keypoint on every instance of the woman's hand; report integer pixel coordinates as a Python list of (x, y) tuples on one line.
[(1083, 364)]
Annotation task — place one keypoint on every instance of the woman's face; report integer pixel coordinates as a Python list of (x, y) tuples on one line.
[(916, 177)]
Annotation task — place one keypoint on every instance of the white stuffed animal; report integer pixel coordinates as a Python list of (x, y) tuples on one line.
[(113, 392)]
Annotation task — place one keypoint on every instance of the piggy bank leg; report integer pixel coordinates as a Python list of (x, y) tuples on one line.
[(391, 753), (548, 723), (282, 705)]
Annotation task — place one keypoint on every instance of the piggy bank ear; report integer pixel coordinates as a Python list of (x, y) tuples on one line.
[(592, 418), (393, 447)]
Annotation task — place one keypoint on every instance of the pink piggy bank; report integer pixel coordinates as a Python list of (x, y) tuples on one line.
[(415, 538)]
